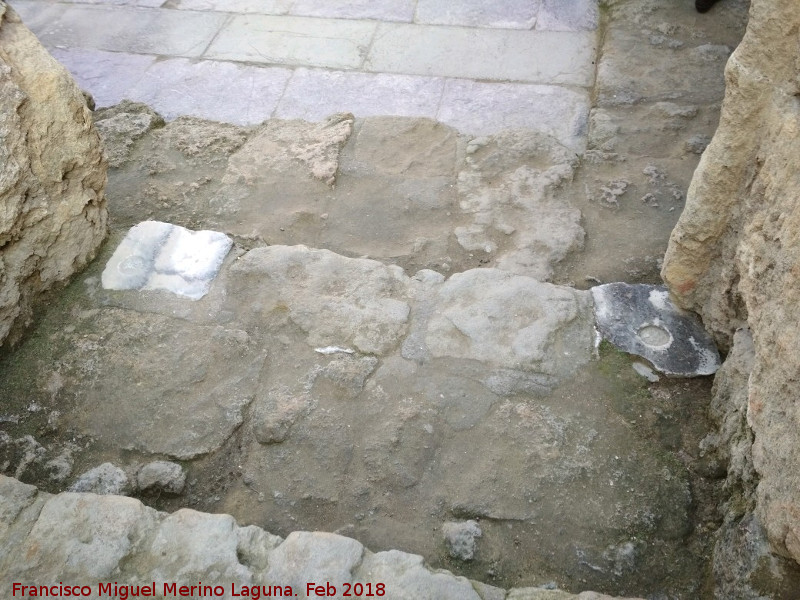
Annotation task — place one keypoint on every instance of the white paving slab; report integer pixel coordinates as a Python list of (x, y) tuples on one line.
[(220, 91), (337, 44), (382, 10), (476, 65), (266, 7), (145, 3), (570, 15), (314, 94), (127, 29), (509, 14), (563, 58), (108, 76), (161, 256), (482, 108), (38, 16)]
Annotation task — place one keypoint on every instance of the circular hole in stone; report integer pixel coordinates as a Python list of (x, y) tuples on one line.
[(132, 265), (654, 335)]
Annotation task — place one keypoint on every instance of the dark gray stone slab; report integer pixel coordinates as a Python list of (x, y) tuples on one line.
[(641, 319)]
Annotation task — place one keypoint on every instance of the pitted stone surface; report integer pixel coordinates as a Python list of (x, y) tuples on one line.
[(510, 322), (161, 476), (460, 538), (103, 479), (641, 319)]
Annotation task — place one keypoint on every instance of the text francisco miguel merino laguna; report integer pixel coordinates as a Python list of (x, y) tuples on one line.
[(254, 592)]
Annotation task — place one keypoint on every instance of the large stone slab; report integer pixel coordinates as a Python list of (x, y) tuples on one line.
[(576, 15), (510, 322), (337, 44), (156, 371), (563, 58), (379, 10), (518, 14), (131, 29), (487, 108), (267, 7), (313, 94), (108, 76), (216, 90), (357, 304)]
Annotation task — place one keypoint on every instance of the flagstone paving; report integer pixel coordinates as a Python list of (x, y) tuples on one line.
[(479, 66)]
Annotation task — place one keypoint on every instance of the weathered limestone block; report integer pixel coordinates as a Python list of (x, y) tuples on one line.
[(52, 175), (85, 539), (733, 256)]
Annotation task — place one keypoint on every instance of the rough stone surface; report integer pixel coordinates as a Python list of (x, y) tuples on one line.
[(517, 213), (161, 476), (315, 146), (89, 539), (121, 125), (104, 479), (26, 457), (52, 175), (197, 378), (352, 303), (509, 322), (461, 538), (732, 255)]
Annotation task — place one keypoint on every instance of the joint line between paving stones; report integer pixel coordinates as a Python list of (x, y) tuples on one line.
[(224, 24), (441, 97), (274, 113), (602, 29), (365, 57), (536, 17)]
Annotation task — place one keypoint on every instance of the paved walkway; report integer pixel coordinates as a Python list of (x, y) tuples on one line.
[(478, 65)]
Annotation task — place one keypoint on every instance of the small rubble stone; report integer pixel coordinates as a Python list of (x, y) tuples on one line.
[(161, 476), (274, 415), (645, 372), (120, 126), (349, 373), (104, 480), (697, 144), (460, 538)]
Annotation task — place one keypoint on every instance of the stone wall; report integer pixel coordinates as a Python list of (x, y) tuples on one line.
[(733, 257), (85, 539), (52, 175)]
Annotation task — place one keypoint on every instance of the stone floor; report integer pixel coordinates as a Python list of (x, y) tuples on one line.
[(468, 390), (478, 66)]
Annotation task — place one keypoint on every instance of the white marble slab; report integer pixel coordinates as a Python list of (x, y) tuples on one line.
[(161, 256)]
